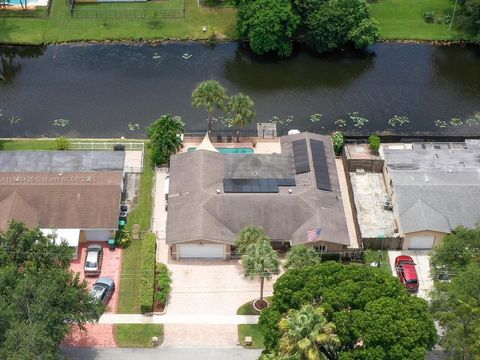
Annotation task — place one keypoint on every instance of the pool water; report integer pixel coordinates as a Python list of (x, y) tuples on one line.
[(229, 150)]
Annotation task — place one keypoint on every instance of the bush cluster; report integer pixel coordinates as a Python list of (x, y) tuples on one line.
[(374, 142), (62, 143), (123, 238), (338, 141), (163, 282), (147, 273)]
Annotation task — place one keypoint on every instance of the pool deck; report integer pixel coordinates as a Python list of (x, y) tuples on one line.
[(263, 146)]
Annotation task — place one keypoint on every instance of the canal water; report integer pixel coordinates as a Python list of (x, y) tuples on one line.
[(117, 90)]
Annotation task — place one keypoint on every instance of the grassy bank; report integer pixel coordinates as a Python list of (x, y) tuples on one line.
[(61, 27), (252, 330), (129, 302), (403, 20), (138, 335)]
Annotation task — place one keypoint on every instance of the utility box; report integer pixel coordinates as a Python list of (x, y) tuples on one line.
[(248, 341)]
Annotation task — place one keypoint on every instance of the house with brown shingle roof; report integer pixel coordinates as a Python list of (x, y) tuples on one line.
[(75, 194), (212, 196)]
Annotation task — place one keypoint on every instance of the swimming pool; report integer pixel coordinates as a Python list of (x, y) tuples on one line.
[(224, 150), (29, 2)]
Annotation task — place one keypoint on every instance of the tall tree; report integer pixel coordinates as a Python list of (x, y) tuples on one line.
[(165, 137), (456, 306), (209, 95), (248, 235), (240, 110), (375, 317), (40, 298), (260, 260), (335, 23), (458, 249), (269, 25), (307, 334), (301, 256)]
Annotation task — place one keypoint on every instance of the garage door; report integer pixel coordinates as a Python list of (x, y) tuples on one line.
[(211, 251), (98, 235), (421, 242)]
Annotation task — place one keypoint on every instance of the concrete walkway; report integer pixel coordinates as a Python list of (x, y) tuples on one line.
[(178, 319)]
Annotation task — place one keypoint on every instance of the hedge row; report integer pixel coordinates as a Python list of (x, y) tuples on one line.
[(147, 273), (164, 283)]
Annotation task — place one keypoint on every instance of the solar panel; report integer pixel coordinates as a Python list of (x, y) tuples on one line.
[(250, 186), (300, 156), (320, 165)]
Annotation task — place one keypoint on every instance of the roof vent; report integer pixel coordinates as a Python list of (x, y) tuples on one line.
[(218, 191), (289, 191)]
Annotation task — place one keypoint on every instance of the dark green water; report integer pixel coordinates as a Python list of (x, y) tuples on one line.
[(101, 89)]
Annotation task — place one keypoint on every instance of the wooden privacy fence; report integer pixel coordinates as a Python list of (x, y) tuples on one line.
[(388, 243)]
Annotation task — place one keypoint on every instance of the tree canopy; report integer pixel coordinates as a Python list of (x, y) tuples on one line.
[(273, 25), (375, 317), (165, 138), (269, 25), (240, 110), (249, 235), (470, 17), (456, 303), (40, 298), (301, 256)]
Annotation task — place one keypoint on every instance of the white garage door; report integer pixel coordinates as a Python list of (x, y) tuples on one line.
[(421, 242), (211, 251), (98, 235)]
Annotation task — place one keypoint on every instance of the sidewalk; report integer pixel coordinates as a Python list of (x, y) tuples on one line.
[(178, 319), (159, 226)]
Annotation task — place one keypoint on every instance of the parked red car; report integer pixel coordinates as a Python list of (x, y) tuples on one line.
[(406, 272)]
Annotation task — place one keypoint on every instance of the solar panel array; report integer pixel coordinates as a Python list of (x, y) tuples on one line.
[(300, 156), (320, 165), (255, 185)]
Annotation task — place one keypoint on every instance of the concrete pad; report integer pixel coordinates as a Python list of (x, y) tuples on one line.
[(370, 193), (422, 261), (133, 161)]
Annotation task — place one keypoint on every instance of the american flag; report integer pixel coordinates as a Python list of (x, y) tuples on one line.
[(312, 235)]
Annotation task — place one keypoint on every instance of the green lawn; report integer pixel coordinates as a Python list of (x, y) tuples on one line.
[(138, 335), (252, 330), (11, 145), (60, 27), (403, 19), (371, 256), (128, 302)]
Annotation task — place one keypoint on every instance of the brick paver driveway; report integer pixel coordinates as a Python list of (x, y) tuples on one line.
[(208, 287), (97, 335)]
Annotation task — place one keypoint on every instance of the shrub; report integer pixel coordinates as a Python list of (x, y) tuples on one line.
[(163, 282), (62, 143), (123, 238), (374, 142), (429, 16), (147, 273), (338, 141)]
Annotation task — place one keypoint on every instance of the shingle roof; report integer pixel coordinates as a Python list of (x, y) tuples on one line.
[(436, 189), (61, 161), (197, 212), (73, 200)]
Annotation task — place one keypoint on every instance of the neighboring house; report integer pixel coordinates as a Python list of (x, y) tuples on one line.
[(435, 187), (212, 196), (75, 194)]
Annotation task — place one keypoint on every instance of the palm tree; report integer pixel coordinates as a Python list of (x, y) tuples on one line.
[(307, 335), (240, 110), (165, 138), (301, 256), (209, 95), (249, 235), (260, 260)]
